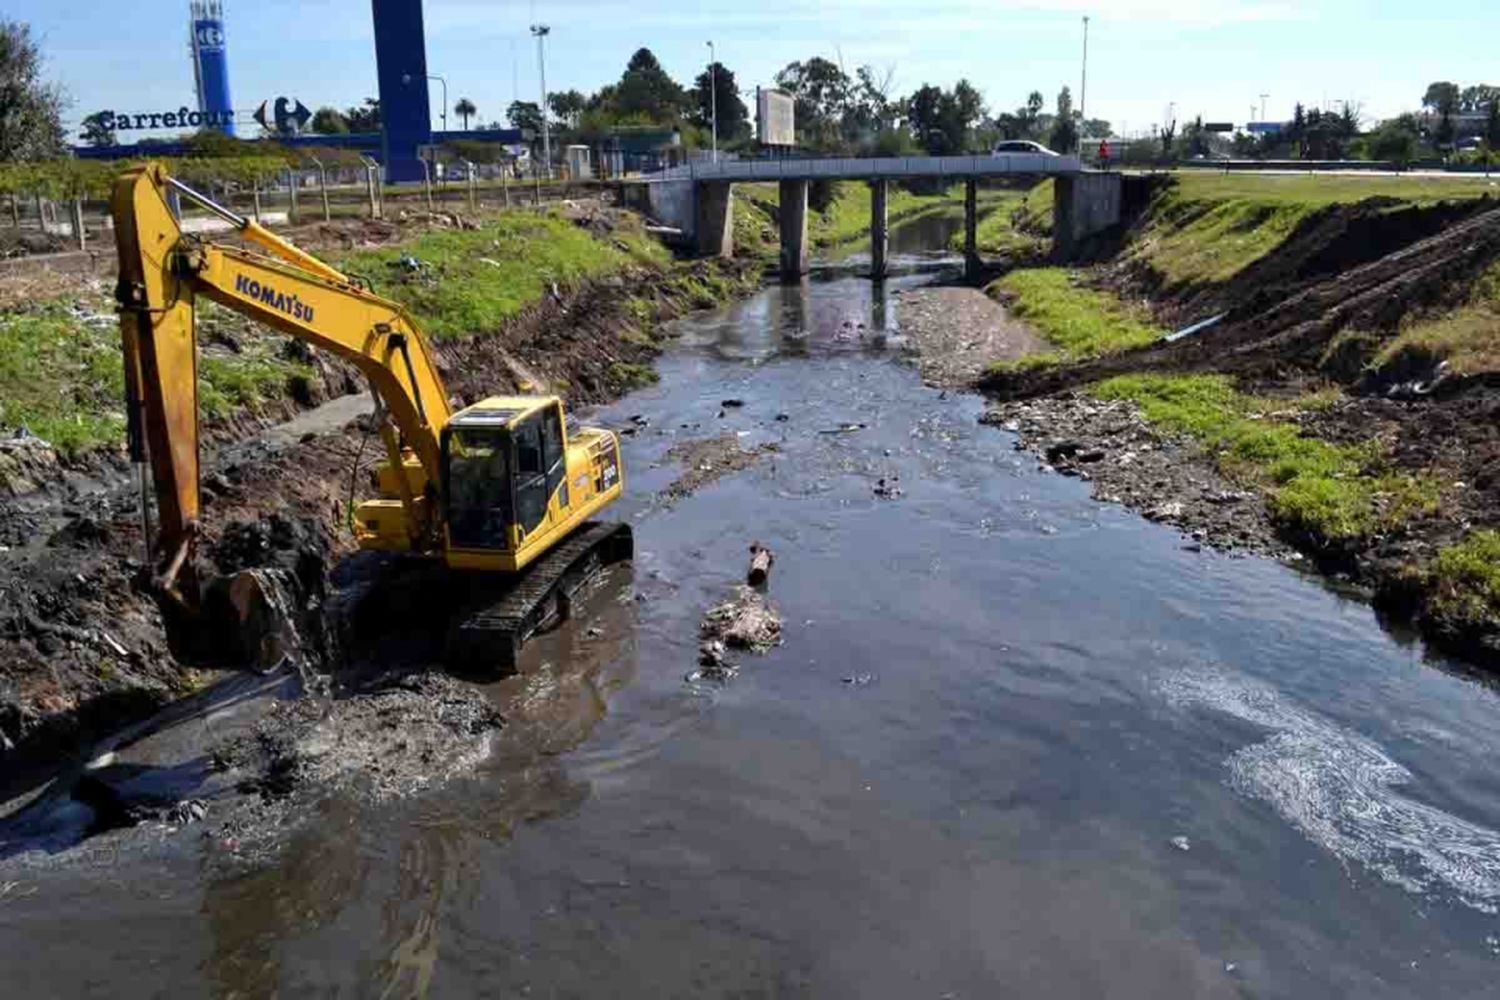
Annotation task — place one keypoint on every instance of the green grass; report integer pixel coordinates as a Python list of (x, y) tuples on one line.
[(1331, 492), (1465, 581), (1321, 190), (1207, 228), (472, 281), (1468, 338), (63, 378), (1081, 322), (627, 376)]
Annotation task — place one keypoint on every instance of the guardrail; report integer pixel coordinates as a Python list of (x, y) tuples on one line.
[(871, 167)]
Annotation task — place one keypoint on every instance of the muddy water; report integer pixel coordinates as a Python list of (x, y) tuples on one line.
[(1016, 743)]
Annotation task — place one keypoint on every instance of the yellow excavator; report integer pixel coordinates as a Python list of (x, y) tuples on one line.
[(501, 490)]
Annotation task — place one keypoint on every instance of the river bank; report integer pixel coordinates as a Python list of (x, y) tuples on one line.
[(571, 302), (1337, 401)]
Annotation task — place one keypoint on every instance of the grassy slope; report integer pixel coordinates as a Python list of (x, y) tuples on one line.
[(1082, 322), (472, 281), (1209, 227), (62, 377), (61, 372), (1331, 492), (1467, 338)]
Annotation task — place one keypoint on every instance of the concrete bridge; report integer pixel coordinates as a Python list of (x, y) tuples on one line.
[(697, 198)]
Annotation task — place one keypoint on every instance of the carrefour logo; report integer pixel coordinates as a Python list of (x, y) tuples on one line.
[(210, 35)]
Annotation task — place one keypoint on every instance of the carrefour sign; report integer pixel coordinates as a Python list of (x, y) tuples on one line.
[(119, 121)]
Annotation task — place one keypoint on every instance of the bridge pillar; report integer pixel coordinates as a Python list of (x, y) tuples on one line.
[(713, 219), (794, 251), (972, 263), (1084, 205), (880, 228)]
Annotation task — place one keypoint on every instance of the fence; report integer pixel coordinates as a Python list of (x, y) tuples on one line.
[(64, 204)]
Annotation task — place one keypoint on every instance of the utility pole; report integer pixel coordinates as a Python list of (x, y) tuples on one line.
[(443, 113), (1263, 106), (1083, 90), (713, 91), (541, 31)]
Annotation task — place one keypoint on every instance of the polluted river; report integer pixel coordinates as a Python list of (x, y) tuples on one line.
[(1013, 742)]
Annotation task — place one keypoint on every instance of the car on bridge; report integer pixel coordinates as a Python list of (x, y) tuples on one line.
[(1021, 146)]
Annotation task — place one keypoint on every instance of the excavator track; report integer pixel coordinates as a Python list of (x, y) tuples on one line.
[(490, 639)]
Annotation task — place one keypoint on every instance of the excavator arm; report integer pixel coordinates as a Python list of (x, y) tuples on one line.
[(163, 270)]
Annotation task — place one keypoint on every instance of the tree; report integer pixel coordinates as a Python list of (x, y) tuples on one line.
[(329, 121), (364, 118), (525, 115), (1442, 97), (646, 92), (1397, 140), (821, 92), (718, 83), (1492, 125), (465, 109), (1064, 137), (30, 109), (1095, 128), (567, 106), (940, 120), (1166, 134), (98, 129)]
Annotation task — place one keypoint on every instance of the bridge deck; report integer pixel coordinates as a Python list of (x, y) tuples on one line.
[(865, 168)]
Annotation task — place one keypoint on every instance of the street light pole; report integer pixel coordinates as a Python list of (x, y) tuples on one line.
[(541, 31), (1263, 106), (1083, 90), (713, 91), (443, 112)]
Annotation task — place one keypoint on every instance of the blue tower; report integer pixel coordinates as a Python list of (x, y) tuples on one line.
[(211, 65), (401, 69)]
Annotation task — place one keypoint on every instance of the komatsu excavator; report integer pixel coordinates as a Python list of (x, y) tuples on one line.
[(500, 490)]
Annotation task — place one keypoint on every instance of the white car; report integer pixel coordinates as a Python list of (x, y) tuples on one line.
[(1021, 146)]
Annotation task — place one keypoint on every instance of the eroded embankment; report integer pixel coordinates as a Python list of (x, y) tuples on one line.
[(1345, 398), (83, 645)]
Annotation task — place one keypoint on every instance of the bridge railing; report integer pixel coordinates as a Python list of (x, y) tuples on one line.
[(871, 167)]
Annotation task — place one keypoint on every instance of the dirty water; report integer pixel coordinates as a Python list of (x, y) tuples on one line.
[(1014, 743)]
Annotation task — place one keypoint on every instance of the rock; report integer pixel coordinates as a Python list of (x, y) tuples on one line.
[(732, 404), (1166, 512), (1061, 450), (887, 488)]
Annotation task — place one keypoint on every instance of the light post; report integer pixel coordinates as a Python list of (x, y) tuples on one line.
[(713, 92), (541, 31), (442, 112), (1263, 106), (1083, 90)]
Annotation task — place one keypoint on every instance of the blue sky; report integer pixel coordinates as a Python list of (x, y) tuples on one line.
[(1213, 57)]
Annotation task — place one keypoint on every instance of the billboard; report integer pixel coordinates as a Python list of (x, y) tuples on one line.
[(211, 63), (776, 117)]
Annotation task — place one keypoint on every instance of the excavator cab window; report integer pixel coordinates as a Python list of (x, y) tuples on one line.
[(477, 466), (531, 472)]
